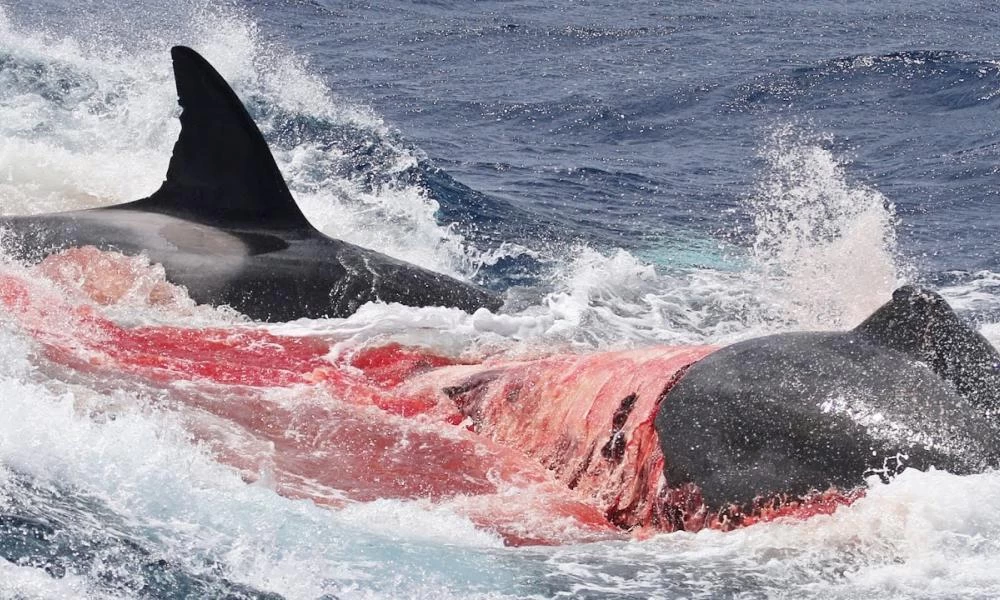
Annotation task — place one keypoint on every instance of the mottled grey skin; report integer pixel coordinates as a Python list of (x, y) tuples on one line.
[(912, 386), (225, 226)]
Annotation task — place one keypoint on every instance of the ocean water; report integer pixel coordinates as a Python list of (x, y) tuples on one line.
[(628, 174)]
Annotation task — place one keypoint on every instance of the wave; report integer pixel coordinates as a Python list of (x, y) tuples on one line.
[(929, 78), (926, 535)]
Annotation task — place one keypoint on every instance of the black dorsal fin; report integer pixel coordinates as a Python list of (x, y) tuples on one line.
[(221, 172)]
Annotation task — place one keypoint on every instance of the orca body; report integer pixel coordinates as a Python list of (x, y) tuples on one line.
[(787, 415), (225, 225)]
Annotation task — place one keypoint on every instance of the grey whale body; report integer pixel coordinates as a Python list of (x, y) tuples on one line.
[(224, 225), (792, 414)]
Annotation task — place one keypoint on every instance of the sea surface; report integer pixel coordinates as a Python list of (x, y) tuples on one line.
[(627, 173)]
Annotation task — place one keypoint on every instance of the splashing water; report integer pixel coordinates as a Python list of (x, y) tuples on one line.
[(823, 257), (825, 249)]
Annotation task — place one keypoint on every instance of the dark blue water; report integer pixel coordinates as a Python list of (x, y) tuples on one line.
[(626, 172), (625, 124)]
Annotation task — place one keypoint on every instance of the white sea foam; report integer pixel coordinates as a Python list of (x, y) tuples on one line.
[(925, 535), (142, 464), (978, 293), (30, 583)]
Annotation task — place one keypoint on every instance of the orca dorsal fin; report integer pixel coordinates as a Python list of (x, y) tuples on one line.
[(221, 171)]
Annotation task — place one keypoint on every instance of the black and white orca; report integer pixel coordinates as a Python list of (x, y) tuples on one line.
[(225, 225)]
